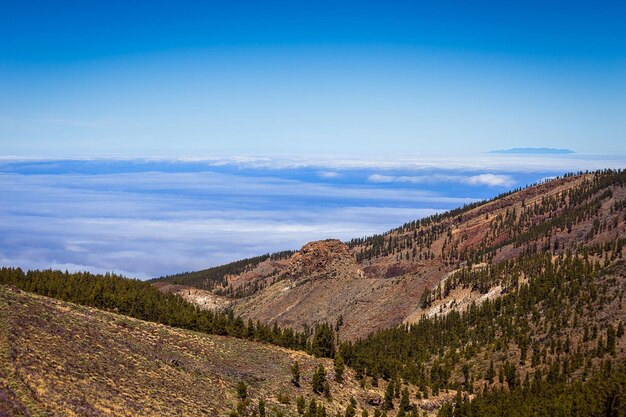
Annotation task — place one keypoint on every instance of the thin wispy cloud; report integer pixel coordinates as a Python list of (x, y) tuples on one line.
[(491, 180), (70, 122), (466, 162), (328, 174)]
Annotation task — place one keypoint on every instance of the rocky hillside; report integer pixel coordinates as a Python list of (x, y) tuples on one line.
[(62, 359), (509, 307), (385, 280)]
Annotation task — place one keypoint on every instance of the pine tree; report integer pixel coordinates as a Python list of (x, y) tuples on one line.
[(466, 376), (323, 343), (491, 373), (242, 390), (319, 380), (405, 404), (425, 298), (300, 404), (339, 368), (610, 340), (510, 374), (295, 374), (326, 389), (312, 411), (350, 411)]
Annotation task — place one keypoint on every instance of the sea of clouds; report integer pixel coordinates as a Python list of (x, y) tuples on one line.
[(146, 217)]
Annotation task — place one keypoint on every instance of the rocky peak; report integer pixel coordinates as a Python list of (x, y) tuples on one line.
[(321, 257)]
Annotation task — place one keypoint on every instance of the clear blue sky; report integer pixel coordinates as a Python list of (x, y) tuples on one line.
[(183, 79)]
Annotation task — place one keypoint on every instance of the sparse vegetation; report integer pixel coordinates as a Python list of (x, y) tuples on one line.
[(526, 317), (141, 300), (60, 358)]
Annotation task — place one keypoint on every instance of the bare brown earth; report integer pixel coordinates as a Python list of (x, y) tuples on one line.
[(327, 284), (203, 298), (324, 282), (61, 359)]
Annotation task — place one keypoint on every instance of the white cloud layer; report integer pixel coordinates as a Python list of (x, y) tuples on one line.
[(160, 217), (333, 163), (148, 224)]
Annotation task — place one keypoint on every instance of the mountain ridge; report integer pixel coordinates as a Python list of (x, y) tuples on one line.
[(534, 151), (398, 267)]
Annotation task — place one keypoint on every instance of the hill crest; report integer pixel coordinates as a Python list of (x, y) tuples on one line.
[(396, 270)]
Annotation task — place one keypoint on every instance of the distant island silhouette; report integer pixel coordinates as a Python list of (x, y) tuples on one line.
[(534, 151)]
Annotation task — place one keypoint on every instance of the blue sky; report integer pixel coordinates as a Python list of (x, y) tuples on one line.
[(157, 137), (198, 79)]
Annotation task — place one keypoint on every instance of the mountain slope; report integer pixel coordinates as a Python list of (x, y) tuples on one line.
[(394, 272), (509, 307), (59, 358), (558, 317)]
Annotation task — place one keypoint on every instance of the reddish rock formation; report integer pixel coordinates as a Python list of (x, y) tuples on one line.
[(324, 257)]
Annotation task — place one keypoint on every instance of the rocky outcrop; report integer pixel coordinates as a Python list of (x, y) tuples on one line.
[(323, 258)]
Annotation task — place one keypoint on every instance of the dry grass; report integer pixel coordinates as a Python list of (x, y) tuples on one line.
[(62, 359)]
